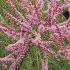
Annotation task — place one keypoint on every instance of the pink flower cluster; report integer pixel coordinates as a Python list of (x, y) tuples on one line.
[(28, 36)]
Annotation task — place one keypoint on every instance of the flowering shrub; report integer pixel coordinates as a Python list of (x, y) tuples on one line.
[(48, 30)]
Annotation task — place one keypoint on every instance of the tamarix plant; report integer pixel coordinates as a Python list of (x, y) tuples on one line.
[(39, 27)]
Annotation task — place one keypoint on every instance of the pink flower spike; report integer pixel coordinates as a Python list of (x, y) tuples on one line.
[(44, 64), (8, 58), (12, 47)]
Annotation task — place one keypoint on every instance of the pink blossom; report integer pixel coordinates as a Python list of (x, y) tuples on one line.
[(44, 64), (26, 36), (41, 28)]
